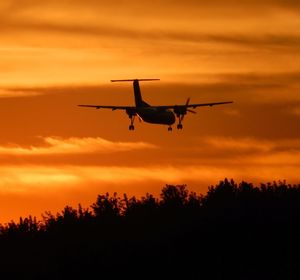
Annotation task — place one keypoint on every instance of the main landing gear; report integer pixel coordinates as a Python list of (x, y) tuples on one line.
[(180, 119), (179, 126), (131, 126)]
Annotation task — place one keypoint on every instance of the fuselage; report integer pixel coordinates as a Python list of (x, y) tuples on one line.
[(156, 115)]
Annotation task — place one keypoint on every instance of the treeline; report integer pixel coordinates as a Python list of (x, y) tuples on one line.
[(237, 231)]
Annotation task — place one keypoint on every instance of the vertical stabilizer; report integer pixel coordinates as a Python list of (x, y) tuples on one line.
[(137, 94), (136, 89)]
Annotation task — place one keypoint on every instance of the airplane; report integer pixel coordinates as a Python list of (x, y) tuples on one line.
[(165, 115)]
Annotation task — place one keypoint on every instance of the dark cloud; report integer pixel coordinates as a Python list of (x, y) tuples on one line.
[(261, 41), (13, 20), (235, 4), (234, 83), (253, 87), (167, 3), (264, 80)]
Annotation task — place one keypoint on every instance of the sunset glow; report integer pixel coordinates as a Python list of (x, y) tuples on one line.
[(58, 54)]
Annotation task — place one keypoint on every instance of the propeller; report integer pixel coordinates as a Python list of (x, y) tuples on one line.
[(187, 101), (188, 110), (181, 117)]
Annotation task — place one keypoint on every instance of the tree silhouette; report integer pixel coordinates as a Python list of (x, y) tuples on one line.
[(107, 207), (236, 230)]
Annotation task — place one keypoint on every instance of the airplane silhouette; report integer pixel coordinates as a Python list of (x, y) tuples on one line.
[(165, 115)]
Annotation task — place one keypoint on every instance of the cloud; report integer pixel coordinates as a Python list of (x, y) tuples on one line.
[(263, 154), (88, 47), (168, 4), (31, 190), (11, 93), (253, 88), (250, 144), (212, 159), (240, 144), (28, 178), (264, 78), (262, 39), (73, 145), (249, 40), (36, 178), (40, 179), (253, 153), (82, 19)]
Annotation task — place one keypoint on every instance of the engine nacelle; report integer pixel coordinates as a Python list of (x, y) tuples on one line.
[(180, 110)]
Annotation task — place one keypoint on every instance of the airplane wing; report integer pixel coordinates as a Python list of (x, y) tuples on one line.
[(192, 105), (185, 106), (109, 107)]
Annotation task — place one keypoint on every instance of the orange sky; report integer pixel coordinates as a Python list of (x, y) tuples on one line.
[(58, 54)]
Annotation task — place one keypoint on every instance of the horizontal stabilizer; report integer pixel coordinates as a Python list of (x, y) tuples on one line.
[(132, 80)]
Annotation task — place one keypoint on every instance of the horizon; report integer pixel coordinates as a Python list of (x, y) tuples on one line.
[(158, 196)]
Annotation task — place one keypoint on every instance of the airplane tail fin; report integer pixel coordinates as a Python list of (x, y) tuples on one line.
[(132, 80), (136, 88)]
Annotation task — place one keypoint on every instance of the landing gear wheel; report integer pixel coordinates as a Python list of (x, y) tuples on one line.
[(179, 126), (170, 128), (131, 127)]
